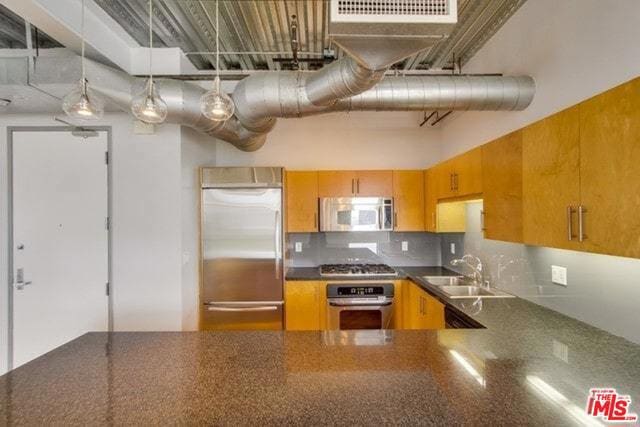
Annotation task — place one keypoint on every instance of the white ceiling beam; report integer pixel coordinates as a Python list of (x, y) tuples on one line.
[(105, 40)]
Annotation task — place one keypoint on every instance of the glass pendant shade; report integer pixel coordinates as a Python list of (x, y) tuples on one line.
[(216, 105), (82, 103), (148, 106)]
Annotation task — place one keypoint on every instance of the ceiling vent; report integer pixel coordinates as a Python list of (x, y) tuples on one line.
[(379, 33), (398, 11)]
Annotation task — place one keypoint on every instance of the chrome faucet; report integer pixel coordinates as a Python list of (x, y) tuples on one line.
[(475, 264)]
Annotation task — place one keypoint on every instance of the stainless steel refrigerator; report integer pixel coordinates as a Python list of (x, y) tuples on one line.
[(242, 263)]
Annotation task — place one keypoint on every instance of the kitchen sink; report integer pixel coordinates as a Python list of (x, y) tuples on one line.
[(465, 291), (446, 280)]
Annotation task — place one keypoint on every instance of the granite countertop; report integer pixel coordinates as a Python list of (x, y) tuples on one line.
[(529, 366)]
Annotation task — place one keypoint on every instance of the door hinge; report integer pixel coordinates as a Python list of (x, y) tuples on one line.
[(107, 289), (107, 223), (106, 157)]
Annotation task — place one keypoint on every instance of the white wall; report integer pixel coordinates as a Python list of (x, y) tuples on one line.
[(146, 224), (573, 49), (358, 140), (197, 150)]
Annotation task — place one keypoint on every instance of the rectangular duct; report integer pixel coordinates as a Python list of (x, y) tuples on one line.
[(398, 11), (379, 33)]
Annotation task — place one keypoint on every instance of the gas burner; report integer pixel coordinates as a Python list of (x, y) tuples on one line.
[(357, 270)]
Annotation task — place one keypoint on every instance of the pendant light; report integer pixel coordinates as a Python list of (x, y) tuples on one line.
[(214, 104), (82, 103), (148, 106)]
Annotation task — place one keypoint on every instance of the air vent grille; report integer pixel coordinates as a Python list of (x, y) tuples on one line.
[(394, 11), (393, 7)]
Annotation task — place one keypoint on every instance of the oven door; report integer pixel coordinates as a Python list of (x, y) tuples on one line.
[(358, 313), (356, 214)]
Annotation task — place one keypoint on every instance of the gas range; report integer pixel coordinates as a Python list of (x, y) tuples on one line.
[(357, 270)]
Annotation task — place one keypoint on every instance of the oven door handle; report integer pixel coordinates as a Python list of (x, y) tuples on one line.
[(363, 304)]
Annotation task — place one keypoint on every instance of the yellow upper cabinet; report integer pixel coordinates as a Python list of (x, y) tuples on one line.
[(551, 180), (374, 183), (366, 183), (610, 171), (408, 198), (430, 200), (302, 201), (460, 176), (336, 183), (502, 188)]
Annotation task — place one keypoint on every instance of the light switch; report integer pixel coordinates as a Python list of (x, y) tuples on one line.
[(405, 246), (298, 246), (453, 248), (559, 275)]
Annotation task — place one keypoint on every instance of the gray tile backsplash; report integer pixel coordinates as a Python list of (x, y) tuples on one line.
[(361, 247), (603, 291)]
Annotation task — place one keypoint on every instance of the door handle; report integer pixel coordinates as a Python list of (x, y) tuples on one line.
[(358, 185), (315, 220), (241, 309), (455, 182), (353, 186), (20, 283), (581, 212), (395, 219), (482, 214), (451, 181), (570, 211)]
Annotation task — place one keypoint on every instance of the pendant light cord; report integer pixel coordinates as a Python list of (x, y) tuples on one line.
[(82, 42), (217, 48), (150, 47)]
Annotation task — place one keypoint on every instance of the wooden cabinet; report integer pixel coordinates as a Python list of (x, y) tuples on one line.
[(460, 176), (302, 201), (374, 183), (303, 301), (502, 188), (355, 183), (422, 311), (610, 171), (551, 179), (430, 200), (336, 183), (468, 170), (408, 199)]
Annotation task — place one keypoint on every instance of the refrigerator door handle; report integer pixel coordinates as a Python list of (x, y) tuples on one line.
[(239, 309), (276, 244)]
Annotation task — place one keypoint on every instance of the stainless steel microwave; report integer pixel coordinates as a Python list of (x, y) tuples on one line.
[(356, 214)]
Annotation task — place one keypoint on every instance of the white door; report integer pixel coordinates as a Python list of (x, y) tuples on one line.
[(60, 240)]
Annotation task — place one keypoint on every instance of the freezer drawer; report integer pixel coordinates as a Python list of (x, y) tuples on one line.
[(249, 315), (233, 279)]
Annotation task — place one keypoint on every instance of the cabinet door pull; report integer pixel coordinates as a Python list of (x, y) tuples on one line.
[(315, 220), (581, 212), (455, 181), (358, 186), (433, 216), (395, 219), (451, 181), (482, 215), (570, 211)]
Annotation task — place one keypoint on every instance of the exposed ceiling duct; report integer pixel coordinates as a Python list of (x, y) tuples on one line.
[(352, 83)]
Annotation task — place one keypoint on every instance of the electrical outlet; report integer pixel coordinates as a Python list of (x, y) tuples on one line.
[(559, 275), (405, 246), (298, 246), (453, 248)]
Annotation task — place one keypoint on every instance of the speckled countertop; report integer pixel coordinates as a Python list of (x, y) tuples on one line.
[(530, 366)]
